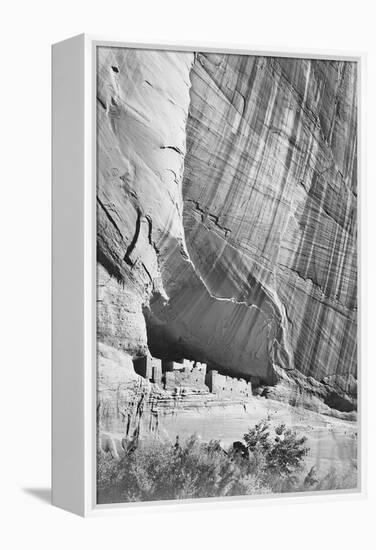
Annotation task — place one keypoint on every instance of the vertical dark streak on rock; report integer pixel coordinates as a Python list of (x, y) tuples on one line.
[(134, 240)]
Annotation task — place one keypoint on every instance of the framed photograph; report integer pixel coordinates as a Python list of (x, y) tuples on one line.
[(205, 274)]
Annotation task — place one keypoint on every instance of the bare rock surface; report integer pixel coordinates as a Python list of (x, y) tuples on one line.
[(226, 216), (270, 217)]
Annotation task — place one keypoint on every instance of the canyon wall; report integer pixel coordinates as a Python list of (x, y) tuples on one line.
[(226, 218), (270, 185)]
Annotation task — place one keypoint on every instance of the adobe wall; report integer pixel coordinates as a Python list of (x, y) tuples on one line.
[(191, 375), (188, 374), (149, 368), (227, 386)]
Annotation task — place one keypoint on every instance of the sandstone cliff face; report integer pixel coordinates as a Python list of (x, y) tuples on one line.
[(270, 209), (227, 215), (143, 100)]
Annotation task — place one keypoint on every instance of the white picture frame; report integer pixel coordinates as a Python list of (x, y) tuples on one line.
[(74, 275)]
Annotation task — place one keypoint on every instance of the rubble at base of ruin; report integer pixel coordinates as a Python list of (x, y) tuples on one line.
[(178, 376)]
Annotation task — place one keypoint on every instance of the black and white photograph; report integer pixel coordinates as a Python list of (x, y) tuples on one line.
[(227, 274), (188, 297)]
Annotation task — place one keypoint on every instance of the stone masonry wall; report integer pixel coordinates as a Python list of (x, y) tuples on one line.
[(192, 375), (149, 368), (227, 386), (188, 374)]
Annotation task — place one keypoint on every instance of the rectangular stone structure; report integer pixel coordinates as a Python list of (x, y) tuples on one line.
[(143, 366), (157, 372), (227, 386), (192, 376), (149, 368)]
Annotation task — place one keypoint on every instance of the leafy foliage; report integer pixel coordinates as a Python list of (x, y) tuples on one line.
[(269, 461), (282, 454), (158, 470)]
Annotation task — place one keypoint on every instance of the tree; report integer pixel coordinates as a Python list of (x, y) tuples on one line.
[(282, 454)]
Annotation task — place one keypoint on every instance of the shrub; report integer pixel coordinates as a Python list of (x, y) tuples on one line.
[(160, 471), (282, 454), (271, 461), (334, 480)]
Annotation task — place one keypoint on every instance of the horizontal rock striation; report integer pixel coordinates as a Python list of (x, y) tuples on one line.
[(270, 209), (226, 218), (130, 407)]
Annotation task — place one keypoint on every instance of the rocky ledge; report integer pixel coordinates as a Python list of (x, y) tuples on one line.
[(227, 221)]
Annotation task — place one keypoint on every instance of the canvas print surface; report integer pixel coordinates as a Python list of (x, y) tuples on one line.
[(226, 275)]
